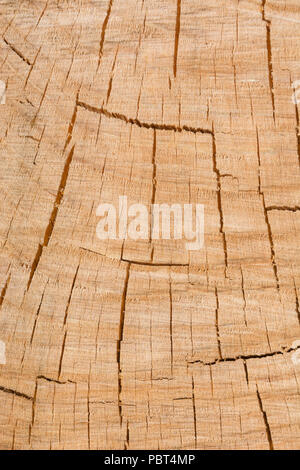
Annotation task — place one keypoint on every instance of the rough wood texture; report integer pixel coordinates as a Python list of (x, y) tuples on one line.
[(146, 345)]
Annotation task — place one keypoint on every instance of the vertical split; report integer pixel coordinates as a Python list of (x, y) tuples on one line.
[(274, 265), (297, 129), (153, 188), (265, 418), (270, 61), (177, 33), (171, 323), (194, 412), (120, 339), (217, 325), (103, 32), (218, 176)]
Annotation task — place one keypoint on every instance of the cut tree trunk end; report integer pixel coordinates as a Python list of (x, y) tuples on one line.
[(145, 344)]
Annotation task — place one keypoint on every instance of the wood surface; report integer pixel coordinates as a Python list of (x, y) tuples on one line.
[(143, 344)]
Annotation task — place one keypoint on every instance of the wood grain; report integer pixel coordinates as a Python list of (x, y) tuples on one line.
[(143, 344)]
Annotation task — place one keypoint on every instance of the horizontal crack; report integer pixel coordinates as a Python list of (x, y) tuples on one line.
[(16, 393), (139, 263), (244, 357), (283, 208), (48, 379), (146, 125), (142, 263)]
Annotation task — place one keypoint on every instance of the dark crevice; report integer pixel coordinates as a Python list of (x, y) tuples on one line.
[(50, 226), (142, 263), (297, 303), (244, 357), (39, 144), (89, 412), (171, 324), (194, 412), (103, 31), (297, 129), (41, 15), (42, 98), (59, 195), (146, 125), (270, 61), (259, 162), (153, 185), (266, 209), (265, 418), (182, 398), (283, 208), (16, 51), (34, 264), (70, 296), (246, 371), (244, 298), (137, 263), (111, 77), (177, 33), (219, 200), (16, 393), (119, 342), (271, 242), (37, 314), (126, 446), (71, 126), (31, 68), (217, 325), (3, 292), (33, 411), (61, 356), (48, 379)]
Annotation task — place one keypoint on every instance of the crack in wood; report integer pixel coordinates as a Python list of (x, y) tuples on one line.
[(266, 209), (177, 33), (246, 371), (3, 292), (120, 339), (103, 31), (135, 262), (194, 412), (53, 216), (58, 382), (126, 445), (141, 124), (70, 296), (244, 357), (297, 303), (16, 51), (217, 324), (16, 393), (142, 263), (283, 208), (219, 199), (33, 411), (244, 298), (269, 230), (269, 51), (297, 130), (171, 323), (61, 356), (37, 314), (265, 418)]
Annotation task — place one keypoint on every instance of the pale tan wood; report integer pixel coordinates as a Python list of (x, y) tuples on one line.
[(141, 345)]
